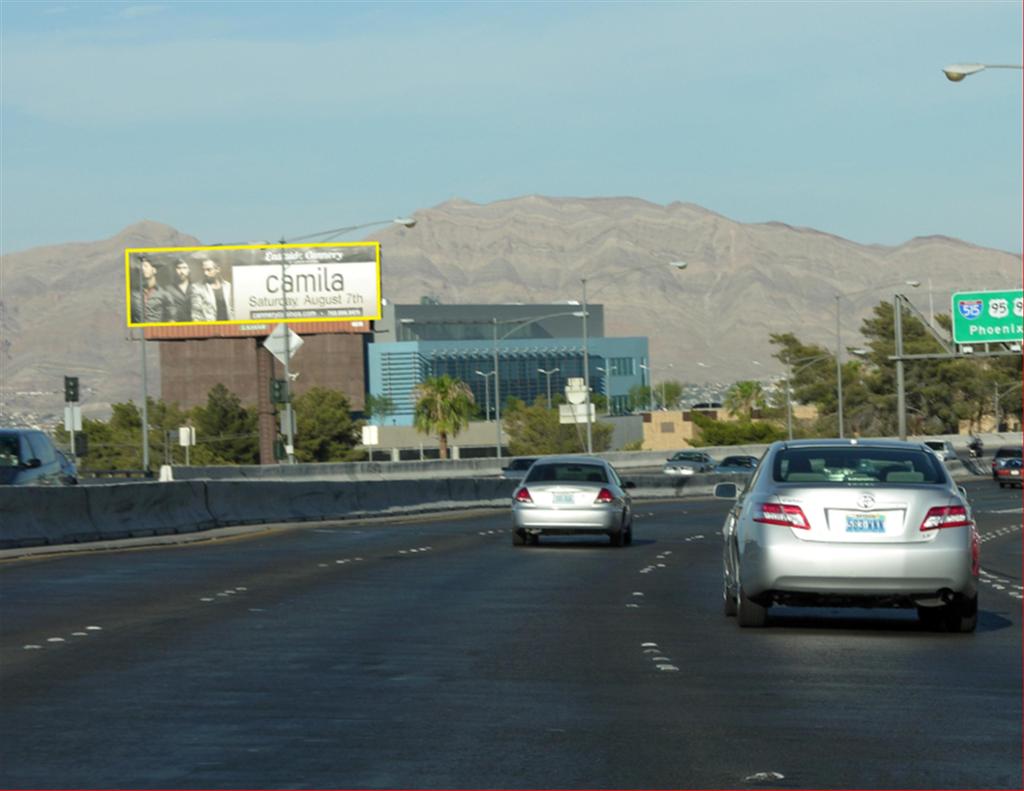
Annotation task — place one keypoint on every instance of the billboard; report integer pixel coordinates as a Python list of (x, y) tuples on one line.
[(243, 284)]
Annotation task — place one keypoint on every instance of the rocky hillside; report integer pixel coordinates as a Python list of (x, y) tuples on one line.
[(61, 307)]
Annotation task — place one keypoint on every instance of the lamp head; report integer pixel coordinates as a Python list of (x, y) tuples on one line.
[(406, 222), (678, 265), (958, 71)]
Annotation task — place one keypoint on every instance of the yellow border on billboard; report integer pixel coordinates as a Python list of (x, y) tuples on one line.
[(128, 251)]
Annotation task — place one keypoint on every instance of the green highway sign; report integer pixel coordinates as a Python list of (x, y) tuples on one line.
[(988, 316)]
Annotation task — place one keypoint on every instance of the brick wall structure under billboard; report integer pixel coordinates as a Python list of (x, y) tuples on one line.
[(190, 368)]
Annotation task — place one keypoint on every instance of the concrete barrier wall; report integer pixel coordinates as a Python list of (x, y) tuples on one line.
[(36, 515), (476, 468)]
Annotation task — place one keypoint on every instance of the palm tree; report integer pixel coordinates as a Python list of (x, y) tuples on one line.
[(443, 407), (744, 397)]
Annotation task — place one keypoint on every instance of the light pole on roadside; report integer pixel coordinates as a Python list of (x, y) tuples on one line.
[(958, 71), (807, 362), (548, 375), (286, 417), (680, 265), (487, 390), (494, 321), (839, 344)]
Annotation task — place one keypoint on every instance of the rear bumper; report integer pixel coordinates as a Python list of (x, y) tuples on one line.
[(567, 520), (780, 564)]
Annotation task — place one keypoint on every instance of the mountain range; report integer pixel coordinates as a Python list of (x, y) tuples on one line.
[(62, 306)]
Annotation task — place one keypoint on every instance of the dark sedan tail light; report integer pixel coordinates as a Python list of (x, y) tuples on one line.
[(523, 496)]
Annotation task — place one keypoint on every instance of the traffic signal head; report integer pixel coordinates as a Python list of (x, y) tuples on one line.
[(71, 388), (277, 391)]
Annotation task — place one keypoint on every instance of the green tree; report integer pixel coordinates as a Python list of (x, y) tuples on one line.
[(744, 397), (226, 431), (443, 406), (639, 398), (325, 430), (378, 408), (714, 433), (536, 430)]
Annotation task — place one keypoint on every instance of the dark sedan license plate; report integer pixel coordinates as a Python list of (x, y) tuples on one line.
[(865, 523)]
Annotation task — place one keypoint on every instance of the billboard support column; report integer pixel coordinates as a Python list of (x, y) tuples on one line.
[(286, 414), (264, 408)]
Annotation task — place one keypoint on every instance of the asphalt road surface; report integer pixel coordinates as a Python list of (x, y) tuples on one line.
[(430, 653)]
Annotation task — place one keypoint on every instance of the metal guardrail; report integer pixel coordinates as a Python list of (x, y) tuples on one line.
[(146, 474)]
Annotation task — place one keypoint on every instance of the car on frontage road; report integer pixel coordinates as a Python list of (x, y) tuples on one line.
[(688, 462), (516, 468), (744, 465), (1009, 473), (851, 523), (1002, 455), (572, 495)]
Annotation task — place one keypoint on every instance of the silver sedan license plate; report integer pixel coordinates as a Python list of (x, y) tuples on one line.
[(865, 523), (563, 499)]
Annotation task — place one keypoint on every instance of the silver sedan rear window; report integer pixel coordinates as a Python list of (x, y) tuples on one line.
[(857, 465), (541, 473)]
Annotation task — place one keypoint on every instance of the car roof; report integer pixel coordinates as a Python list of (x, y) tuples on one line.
[(572, 459), (846, 443)]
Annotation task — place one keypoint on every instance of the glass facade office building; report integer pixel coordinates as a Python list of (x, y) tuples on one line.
[(463, 341)]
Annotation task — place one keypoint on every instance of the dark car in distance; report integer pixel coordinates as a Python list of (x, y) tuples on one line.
[(29, 458), (1003, 455)]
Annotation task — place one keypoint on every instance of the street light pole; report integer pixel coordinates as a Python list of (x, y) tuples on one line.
[(586, 355), (958, 71), (586, 373), (289, 427), (497, 392), (548, 375), (839, 344), (487, 392)]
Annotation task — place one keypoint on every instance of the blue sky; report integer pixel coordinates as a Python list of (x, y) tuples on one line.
[(248, 120)]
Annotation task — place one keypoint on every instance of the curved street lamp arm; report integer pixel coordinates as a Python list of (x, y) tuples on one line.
[(404, 221)]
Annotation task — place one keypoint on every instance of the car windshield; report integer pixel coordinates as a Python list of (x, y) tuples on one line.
[(521, 464), (736, 461), (8, 451), (688, 457), (857, 465), (570, 472), (1008, 452)]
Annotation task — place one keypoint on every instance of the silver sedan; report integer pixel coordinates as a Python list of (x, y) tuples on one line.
[(570, 495), (851, 523)]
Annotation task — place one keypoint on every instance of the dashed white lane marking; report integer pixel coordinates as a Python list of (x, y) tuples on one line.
[(763, 777), (59, 640), (999, 533), (999, 583), (661, 662)]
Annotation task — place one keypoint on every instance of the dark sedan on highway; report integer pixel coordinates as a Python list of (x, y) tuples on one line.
[(744, 465)]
